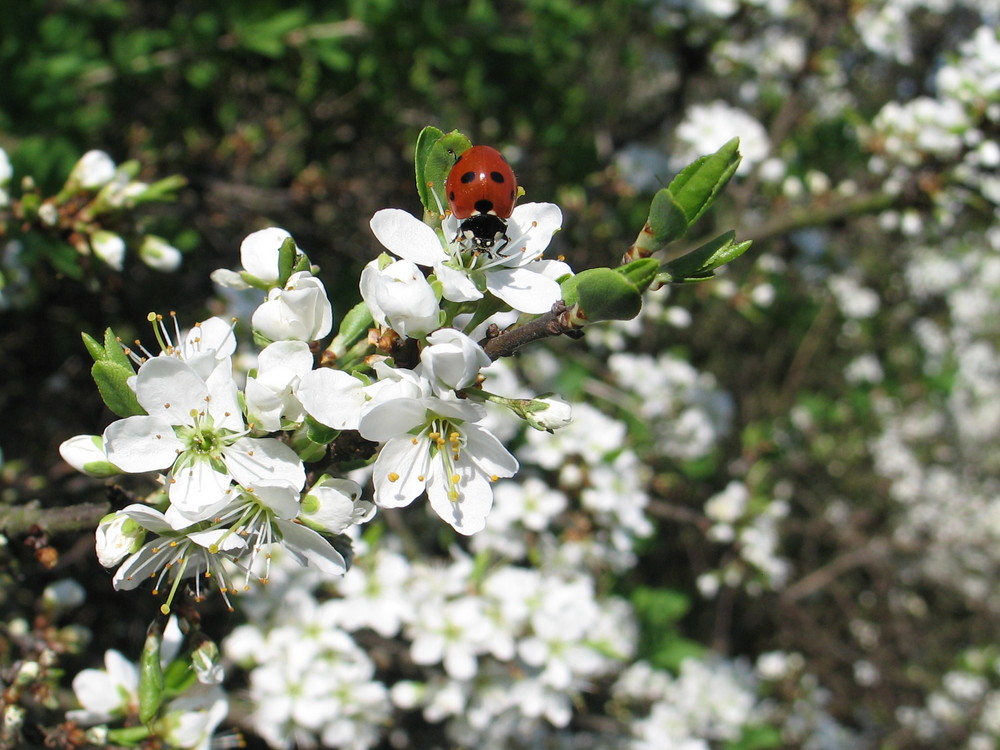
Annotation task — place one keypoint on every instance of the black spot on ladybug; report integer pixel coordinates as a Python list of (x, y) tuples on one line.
[(497, 177), (484, 206), (451, 195), (467, 177)]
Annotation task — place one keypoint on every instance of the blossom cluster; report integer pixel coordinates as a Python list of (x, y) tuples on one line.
[(233, 480), (87, 208)]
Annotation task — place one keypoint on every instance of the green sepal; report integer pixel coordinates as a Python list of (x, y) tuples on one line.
[(696, 186), (353, 328), (128, 736), (151, 675), (602, 294), (319, 433), (163, 190), (112, 384), (436, 153), (286, 260), (178, 677), (700, 263)]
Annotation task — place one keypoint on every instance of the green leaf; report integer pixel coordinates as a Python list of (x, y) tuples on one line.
[(640, 273), (354, 325), (111, 379), (433, 162), (602, 294), (659, 607), (428, 137), (696, 186), (150, 675), (667, 218), (113, 350), (756, 737), (95, 350), (700, 263)]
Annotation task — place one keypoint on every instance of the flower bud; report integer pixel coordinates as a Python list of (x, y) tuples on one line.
[(300, 311), (453, 360), (85, 453), (547, 413), (400, 298), (109, 247), (207, 664), (118, 536), (94, 170), (159, 254), (332, 506)]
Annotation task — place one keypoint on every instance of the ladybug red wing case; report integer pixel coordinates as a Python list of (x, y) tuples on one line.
[(481, 182)]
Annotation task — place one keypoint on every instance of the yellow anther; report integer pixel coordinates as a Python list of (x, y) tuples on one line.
[(393, 476)]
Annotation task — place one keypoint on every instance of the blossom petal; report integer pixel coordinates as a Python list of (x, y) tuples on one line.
[(197, 488), (488, 453), (331, 397), (390, 419), (466, 513), (405, 236), (169, 388), (213, 334), (141, 443), (254, 460), (408, 460), (456, 285), (293, 355), (523, 289), (223, 398), (149, 518), (534, 224), (310, 548)]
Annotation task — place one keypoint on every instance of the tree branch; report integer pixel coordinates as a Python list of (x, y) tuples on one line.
[(553, 323), (20, 520)]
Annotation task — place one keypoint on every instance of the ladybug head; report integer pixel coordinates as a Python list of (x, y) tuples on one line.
[(483, 231)]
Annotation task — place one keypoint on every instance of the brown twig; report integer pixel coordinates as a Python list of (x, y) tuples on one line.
[(556, 322)]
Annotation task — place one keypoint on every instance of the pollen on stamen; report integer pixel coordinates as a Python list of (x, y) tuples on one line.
[(414, 441), (166, 406), (494, 478), (455, 479), (393, 476), (421, 478)]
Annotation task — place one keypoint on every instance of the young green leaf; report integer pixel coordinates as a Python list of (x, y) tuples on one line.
[(112, 384), (602, 294), (696, 186), (113, 351), (433, 163), (700, 263)]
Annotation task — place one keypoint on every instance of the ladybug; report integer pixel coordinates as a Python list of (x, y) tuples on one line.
[(481, 190)]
